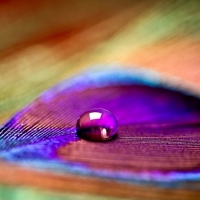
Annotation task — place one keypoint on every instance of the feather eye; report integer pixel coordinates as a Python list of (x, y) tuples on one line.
[(158, 128)]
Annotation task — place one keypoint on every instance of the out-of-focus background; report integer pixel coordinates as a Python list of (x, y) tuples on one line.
[(43, 42)]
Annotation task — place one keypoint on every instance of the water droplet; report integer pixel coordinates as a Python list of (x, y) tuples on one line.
[(97, 124)]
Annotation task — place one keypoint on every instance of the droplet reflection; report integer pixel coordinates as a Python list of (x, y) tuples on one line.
[(97, 125)]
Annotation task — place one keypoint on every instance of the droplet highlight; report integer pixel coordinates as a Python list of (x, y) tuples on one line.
[(97, 124)]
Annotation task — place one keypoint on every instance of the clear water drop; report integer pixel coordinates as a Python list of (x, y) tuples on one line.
[(97, 125)]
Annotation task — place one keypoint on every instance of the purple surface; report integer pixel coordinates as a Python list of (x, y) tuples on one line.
[(155, 123)]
